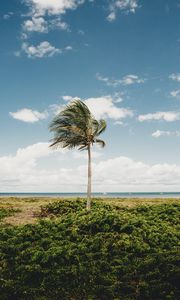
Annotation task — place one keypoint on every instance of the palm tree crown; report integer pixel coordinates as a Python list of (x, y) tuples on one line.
[(75, 126)]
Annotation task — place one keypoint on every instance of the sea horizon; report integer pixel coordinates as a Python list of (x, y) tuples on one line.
[(95, 194)]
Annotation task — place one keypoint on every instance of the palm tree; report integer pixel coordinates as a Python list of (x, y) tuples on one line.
[(75, 126)]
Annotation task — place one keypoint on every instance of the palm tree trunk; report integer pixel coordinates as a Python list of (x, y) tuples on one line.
[(88, 206)]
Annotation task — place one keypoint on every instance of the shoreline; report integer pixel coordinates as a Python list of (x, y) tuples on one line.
[(136, 195)]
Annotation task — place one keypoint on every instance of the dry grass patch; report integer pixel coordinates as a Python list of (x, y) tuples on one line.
[(27, 208), (132, 202)]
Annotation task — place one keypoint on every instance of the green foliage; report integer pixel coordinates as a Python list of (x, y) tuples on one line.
[(110, 253), (6, 212), (61, 208)]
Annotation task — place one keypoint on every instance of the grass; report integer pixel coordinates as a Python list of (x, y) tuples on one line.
[(26, 210), (6, 213)]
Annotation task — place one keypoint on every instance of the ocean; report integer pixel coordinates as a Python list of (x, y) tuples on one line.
[(104, 195)]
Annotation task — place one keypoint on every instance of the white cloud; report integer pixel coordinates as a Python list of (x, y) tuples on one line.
[(44, 49), (159, 133), (175, 94), (23, 171), (29, 115), (24, 36), (35, 24), (118, 123), (39, 24), (32, 152), (126, 80), (24, 160), (123, 171), (125, 6), (83, 154), (52, 7), (175, 77), (112, 16), (46, 15), (20, 170), (131, 79), (168, 116), (68, 48), (107, 80), (118, 97), (57, 23), (104, 107), (8, 15), (69, 98)]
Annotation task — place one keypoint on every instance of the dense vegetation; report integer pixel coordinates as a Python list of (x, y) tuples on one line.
[(110, 253), (6, 212)]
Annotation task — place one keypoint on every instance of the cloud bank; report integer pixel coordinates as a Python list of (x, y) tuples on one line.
[(23, 171), (168, 116), (159, 133), (125, 81)]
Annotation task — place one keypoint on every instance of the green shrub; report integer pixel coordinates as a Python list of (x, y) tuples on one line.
[(6, 212), (64, 207), (107, 254)]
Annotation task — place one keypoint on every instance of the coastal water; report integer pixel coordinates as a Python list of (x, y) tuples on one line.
[(104, 195)]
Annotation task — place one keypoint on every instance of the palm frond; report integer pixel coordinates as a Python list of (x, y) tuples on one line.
[(83, 147), (100, 142)]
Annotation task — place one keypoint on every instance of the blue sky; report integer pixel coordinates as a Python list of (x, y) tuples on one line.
[(122, 58)]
